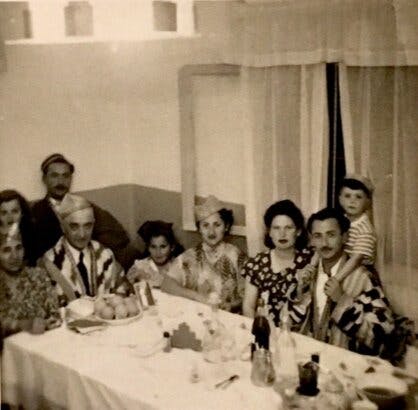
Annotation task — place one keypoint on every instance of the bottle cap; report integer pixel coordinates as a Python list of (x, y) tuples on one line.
[(315, 357)]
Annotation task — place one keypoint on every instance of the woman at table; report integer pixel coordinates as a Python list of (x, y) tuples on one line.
[(15, 209), (161, 249), (275, 273), (213, 266), (27, 299)]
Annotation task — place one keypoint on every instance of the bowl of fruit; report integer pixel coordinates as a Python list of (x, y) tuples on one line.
[(116, 309)]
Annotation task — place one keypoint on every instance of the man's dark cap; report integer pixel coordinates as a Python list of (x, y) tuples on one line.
[(55, 159)]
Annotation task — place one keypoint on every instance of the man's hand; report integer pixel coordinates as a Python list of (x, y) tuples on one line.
[(333, 289), (304, 276)]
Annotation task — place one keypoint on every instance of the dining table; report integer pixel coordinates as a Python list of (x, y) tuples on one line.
[(130, 366)]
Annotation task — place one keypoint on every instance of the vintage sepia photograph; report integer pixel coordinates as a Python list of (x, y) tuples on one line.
[(209, 204)]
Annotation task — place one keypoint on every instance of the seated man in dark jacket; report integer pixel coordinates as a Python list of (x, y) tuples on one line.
[(57, 173)]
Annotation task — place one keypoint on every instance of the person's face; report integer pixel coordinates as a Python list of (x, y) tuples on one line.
[(283, 232), (212, 229), (11, 255), (10, 213), (160, 250), (327, 239), (58, 180), (78, 228), (353, 201)]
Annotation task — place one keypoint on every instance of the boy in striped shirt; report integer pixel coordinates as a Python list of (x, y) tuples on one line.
[(355, 198)]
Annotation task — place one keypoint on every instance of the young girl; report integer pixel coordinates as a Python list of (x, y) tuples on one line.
[(161, 248)]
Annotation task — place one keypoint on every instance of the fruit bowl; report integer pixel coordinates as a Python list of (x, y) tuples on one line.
[(118, 310)]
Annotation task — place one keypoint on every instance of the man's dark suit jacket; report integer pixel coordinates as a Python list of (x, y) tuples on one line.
[(107, 230)]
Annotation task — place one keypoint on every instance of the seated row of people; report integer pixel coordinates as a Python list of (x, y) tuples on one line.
[(348, 310)]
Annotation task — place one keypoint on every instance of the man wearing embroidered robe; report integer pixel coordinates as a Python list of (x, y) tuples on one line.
[(77, 264), (353, 314)]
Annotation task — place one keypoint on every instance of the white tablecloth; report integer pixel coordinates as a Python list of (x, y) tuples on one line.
[(108, 370)]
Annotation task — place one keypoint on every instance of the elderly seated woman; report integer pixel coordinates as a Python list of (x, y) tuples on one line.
[(161, 249), (213, 266), (27, 298)]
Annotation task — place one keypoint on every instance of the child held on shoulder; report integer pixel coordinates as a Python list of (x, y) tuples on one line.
[(355, 198)]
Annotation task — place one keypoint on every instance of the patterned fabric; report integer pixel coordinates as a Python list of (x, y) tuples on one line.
[(361, 320), (32, 297), (203, 271), (146, 269), (362, 239), (280, 286), (105, 274)]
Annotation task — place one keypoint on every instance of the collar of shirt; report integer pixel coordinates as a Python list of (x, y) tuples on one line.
[(322, 278), (76, 255), (54, 202), (334, 269)]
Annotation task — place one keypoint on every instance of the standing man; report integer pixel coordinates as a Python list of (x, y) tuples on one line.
[(77, 264), (354, 313), (57, 175)]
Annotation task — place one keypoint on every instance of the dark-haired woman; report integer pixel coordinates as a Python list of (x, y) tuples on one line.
[(213, 266), (15, 209), (275, 273), (161, 248)]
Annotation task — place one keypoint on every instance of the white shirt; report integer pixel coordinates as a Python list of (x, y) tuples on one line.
[(322, 278), (86, 259)]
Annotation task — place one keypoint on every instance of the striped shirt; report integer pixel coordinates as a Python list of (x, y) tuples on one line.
[(362, 239)]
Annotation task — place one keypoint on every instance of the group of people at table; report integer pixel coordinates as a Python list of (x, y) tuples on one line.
[(321, 273)]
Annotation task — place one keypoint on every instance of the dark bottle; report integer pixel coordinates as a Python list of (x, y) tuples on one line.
[(261, 327)]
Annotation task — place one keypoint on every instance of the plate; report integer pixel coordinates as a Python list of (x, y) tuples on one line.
[(118, 322)]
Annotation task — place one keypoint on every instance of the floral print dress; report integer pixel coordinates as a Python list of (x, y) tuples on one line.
[(32, 296), (281, 287)]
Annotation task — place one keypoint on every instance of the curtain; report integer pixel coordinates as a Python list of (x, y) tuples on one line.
[(380, 123), (286, 134), (297, 32)]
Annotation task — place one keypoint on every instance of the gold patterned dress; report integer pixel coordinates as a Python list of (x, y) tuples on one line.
[(208, 270)]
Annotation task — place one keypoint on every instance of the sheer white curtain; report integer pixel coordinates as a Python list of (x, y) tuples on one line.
[(380, 123), (286, 148), (282, 47)]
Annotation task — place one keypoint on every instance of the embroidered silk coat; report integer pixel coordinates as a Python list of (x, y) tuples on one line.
[(106, 275)]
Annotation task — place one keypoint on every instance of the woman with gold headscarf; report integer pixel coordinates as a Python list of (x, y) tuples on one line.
[(213, 266)]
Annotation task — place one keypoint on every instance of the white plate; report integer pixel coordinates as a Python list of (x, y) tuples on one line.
[(118, 322)]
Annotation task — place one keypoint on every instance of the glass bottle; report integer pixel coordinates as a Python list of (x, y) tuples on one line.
[(212, 338), (285, 358), (262, 371), (261, 327)]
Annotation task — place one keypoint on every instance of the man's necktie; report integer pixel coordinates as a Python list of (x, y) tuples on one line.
[(84, 273)]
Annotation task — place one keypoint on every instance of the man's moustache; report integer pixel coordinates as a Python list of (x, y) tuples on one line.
[(60, 187), (325, 249)]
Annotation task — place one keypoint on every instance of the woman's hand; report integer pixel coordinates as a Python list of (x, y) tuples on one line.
[(38, 326)]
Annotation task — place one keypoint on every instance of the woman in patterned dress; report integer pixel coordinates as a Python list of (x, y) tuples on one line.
[(27, 299), (275, 272), (213, 266)]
